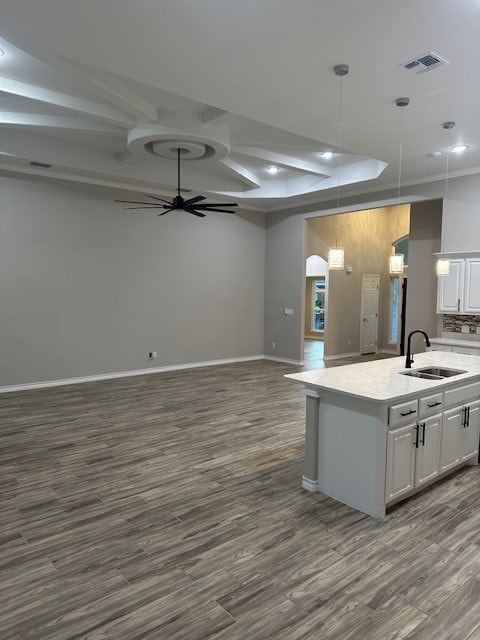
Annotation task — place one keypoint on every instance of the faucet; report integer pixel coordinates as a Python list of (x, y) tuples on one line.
[(409, 360)]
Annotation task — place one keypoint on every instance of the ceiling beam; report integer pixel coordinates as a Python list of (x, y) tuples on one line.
[(241, 173), (86, 108), (60, 123), (215, 116), (112, 90), (287, 162)]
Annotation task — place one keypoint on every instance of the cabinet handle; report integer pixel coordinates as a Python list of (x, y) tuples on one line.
[(422, 441), (458, 305), (467, 416), (464, 417), (434, 404), (416, 436), (408, 413)]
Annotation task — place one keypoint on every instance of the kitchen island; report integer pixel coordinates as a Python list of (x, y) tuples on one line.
[(374, 436)]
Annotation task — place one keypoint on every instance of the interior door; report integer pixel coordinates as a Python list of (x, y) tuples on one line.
[(369, 315)]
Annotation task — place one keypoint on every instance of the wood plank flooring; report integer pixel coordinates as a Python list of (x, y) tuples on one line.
[(169, 507)]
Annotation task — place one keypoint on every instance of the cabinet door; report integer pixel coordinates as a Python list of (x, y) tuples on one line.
[(400, 461), (450, 451), (450, 288), (472, 287), (471, 432), (427, 462)]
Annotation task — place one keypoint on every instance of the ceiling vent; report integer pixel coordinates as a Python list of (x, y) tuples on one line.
[(426, 62)]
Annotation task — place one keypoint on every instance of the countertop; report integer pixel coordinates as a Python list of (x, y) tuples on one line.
[(380, 380), (456, 343)]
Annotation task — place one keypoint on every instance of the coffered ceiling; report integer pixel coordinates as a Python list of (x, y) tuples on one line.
[(104, 91)]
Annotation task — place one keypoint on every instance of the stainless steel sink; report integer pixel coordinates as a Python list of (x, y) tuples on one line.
[(421, 374), (432, 373), (443, 372)]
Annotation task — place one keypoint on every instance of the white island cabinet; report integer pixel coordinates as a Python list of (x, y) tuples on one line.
[(375, 436)]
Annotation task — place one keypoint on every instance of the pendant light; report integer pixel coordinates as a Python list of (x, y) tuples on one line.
[(336, 254), (396, 260), (442, 265)]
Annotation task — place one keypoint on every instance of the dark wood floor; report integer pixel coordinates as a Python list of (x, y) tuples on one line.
[(169, 507)]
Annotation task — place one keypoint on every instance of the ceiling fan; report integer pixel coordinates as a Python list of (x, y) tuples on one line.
[(178, 203)]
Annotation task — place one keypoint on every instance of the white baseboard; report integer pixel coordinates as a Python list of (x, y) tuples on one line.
[(310, 485), (297, 363), (124, 374), (339, 356)]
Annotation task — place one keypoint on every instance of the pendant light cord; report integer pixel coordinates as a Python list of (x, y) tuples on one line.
[(340, 124), (400, 152)]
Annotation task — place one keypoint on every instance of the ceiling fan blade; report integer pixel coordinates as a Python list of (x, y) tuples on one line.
[(195, 213), (218, 204), (155, 206), (193, 200), (152, 204), (219, 210), (149, 195)]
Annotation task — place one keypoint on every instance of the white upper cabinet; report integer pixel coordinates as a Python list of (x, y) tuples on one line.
[(472, 285), (459, 292), (450, 288)]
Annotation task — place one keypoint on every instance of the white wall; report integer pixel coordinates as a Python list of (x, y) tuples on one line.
[(87, 288)]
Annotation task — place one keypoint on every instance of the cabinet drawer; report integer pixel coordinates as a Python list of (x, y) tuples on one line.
[(430, 404), (462, 394), (402, 412)]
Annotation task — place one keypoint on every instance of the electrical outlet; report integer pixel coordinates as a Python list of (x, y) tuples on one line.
[(465, 328), (478, 331), (273, 345)]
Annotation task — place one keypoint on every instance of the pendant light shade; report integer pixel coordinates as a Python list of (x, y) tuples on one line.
[(442, 267), (395, 264), (336, 258), (336, 255)]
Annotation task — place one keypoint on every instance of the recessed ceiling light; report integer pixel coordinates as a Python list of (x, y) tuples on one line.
[(434, 154), (459, 148), (272, 169), (327, 155)]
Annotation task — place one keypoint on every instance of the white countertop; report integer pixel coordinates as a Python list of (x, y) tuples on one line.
[(456, 342), (380, 380)]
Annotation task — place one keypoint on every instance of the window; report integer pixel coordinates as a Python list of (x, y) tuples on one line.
[(318, 305)]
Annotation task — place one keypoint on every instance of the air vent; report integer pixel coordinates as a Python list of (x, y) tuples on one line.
[(426, 62), (44, 165)]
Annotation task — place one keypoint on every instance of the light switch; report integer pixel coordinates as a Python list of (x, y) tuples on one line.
[(288, 312), (465, 328)]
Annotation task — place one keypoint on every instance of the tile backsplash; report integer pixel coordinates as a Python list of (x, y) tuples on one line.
[(453, 324)]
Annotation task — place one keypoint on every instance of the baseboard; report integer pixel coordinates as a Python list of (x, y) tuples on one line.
[(339, 356), (310, 485), (388, 352), (297, 363), (124, 374)]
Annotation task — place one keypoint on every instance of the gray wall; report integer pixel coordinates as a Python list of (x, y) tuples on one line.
[(424, 240), (285, 230), (86, 288)]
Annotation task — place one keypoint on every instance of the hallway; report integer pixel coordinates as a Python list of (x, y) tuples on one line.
[(314, 350)]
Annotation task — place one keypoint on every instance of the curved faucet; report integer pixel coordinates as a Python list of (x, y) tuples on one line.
[(408, 362)]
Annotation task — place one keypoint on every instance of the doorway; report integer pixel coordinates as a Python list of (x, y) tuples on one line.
[(369, 313)]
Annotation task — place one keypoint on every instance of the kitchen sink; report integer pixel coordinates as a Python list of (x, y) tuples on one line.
[(432, 373), (443, 372), (421, 374)]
